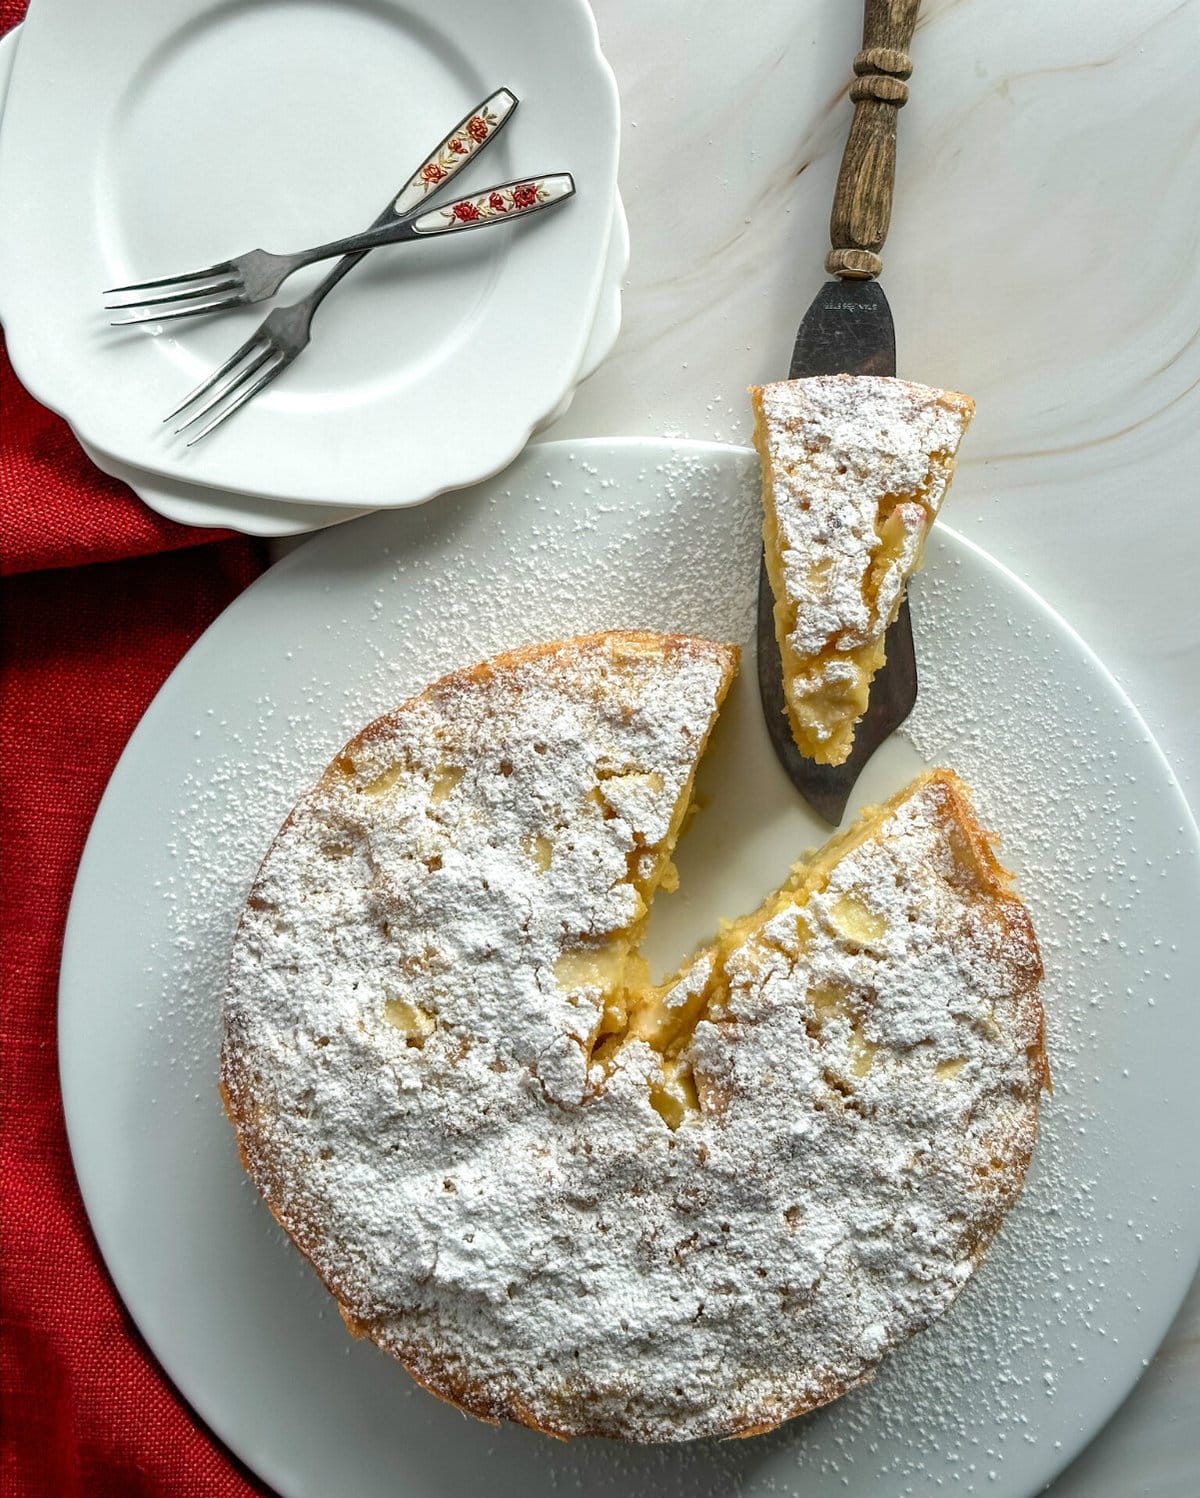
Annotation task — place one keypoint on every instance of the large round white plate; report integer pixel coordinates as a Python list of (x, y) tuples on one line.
[(1086, 1274), (199, 128)]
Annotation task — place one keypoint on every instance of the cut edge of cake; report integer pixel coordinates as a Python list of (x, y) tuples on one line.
[(665, 1016)]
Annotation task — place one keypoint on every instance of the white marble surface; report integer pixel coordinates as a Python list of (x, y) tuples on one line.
[(1044, 256)]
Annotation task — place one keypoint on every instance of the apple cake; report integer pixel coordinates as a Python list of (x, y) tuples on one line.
[(560, 1194)]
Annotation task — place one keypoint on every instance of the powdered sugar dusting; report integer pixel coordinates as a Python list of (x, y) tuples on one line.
[(858, 467), (533, 1238), (839, 447)]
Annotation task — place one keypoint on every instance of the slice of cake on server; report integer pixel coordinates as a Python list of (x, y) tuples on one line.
[(854, 471)]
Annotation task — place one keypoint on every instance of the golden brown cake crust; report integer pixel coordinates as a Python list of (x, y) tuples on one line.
[(370, 1147)]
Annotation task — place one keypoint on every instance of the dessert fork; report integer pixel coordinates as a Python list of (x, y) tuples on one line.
[(284, 332), (258, 274)]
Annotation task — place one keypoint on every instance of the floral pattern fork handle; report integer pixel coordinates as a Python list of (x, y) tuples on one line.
[(468, 137)]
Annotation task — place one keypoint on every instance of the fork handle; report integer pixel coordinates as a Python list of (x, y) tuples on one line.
[(495, 205), (474, 131), (445, 161), (862, 201)]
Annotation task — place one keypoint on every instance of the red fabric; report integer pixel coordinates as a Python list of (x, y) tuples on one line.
[(56, 508), (85, 1411)]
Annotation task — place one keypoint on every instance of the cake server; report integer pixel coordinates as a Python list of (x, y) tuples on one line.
[(848, 330)]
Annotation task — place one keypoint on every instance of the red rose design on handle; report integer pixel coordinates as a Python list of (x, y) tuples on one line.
[(477, 128), (524, 196), (431, 172), (497, 204), (457, 145), (466, 212)]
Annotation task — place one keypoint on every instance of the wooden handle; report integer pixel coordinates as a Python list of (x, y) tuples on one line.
[(862, 203)]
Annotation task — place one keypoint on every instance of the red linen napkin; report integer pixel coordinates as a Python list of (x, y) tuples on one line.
[(106, 603), (56, 508)]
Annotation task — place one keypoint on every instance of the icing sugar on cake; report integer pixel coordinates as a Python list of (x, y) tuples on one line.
[(854, 469), (557, 1194)]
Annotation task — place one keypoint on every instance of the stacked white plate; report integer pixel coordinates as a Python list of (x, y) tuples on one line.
[(197, 130)]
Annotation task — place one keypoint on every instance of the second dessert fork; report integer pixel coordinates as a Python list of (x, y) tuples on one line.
[(284, 332)]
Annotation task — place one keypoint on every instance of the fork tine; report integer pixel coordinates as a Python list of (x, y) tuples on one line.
[(265, 378), (189, 293), (251, 344), (231, 381), (193, 309), (220, 269)]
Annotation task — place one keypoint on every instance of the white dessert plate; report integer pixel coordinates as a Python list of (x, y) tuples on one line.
[(192, 504), (1090, 1267), (199, 128)]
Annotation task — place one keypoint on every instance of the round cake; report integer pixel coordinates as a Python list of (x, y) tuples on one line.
[(558, 1193)]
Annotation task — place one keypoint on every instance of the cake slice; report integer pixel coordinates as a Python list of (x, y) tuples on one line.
[(854, 471)]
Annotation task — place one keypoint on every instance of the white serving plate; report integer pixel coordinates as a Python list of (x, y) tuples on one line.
[(198, 126), (1086, 1274)]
